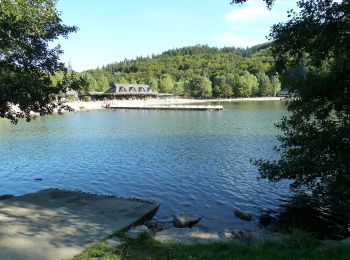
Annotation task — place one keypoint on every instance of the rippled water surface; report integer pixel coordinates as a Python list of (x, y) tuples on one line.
[(196, 162)]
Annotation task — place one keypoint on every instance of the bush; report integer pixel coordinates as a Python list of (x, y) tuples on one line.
[(86, 98)]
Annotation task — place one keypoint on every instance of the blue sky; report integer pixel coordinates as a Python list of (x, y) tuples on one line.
[(111, 30)]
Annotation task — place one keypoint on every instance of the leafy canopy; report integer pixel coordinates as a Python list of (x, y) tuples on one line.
[(315, 139), (26, 60)]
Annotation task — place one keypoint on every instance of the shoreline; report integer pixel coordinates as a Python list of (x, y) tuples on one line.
[(95, 105)]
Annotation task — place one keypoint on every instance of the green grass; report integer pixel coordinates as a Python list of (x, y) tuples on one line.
[(296, 246)]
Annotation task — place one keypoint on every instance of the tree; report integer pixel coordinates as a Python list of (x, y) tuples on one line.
[(265, 87), (166, 84), (179, 88), (276, 85), (102, 82), (200, 87), (233, 81), (133, 81), (227, 91), (246, 83), (217, 91), (26, 60), (153, 83), (121, 80), (91, 83), (315, 139), (221, 66), (219, 81)]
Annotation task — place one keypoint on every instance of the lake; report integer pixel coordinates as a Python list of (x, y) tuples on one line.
[(190, 161)]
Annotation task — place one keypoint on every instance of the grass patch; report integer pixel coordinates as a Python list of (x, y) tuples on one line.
[(298, 245)]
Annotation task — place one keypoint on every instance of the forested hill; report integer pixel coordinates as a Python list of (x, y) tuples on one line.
[(198, 71)]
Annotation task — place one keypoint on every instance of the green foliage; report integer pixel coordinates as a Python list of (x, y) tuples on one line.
[(227, 91), (153, 83), (269, 3), (171, 71), (121, 80), (216, 92), (246, 84), (86, 98), (91, 83), (166, 84), (27, 63), (276, 85), (265, 86), (297, 245), (200, 87), (315, 144), (179, 88), (71, 99)]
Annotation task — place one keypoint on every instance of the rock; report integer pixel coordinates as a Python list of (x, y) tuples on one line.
[(329, 242), (136, 231), (238, 234), (153, 226), (6, 196), (181, 220), (191, 236), (345, 241), (243, 215), (114, 242), (265, 219)]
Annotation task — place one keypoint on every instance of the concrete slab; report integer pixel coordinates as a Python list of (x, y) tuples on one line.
[(58, 224)]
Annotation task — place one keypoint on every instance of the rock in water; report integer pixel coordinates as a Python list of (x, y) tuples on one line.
[(136, 231), (265, 219), (243, 215), (185, 220)]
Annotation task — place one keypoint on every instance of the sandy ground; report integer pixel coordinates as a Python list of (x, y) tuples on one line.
[(92, 105)]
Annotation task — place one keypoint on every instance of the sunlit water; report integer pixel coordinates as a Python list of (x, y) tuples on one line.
[(189, 161)]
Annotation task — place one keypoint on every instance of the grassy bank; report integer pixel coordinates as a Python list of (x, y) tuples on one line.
[(296, 246)]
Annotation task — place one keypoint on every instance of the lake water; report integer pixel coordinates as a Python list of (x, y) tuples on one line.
[(189, 161)]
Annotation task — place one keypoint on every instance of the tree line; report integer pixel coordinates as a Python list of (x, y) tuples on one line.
[(196, 71)]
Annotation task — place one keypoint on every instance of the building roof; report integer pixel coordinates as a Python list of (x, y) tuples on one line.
[(135, 89)]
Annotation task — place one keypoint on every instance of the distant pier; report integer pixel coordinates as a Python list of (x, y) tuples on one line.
[(171, 107)]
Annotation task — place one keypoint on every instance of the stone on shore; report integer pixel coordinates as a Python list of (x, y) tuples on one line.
[(114, 242), (182, 220), (345, 241), (191, 236), (243, 215), (197, 236), (136, 231), (238, 234)]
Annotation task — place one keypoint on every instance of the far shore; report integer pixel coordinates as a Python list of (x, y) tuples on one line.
[(93, 105)]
